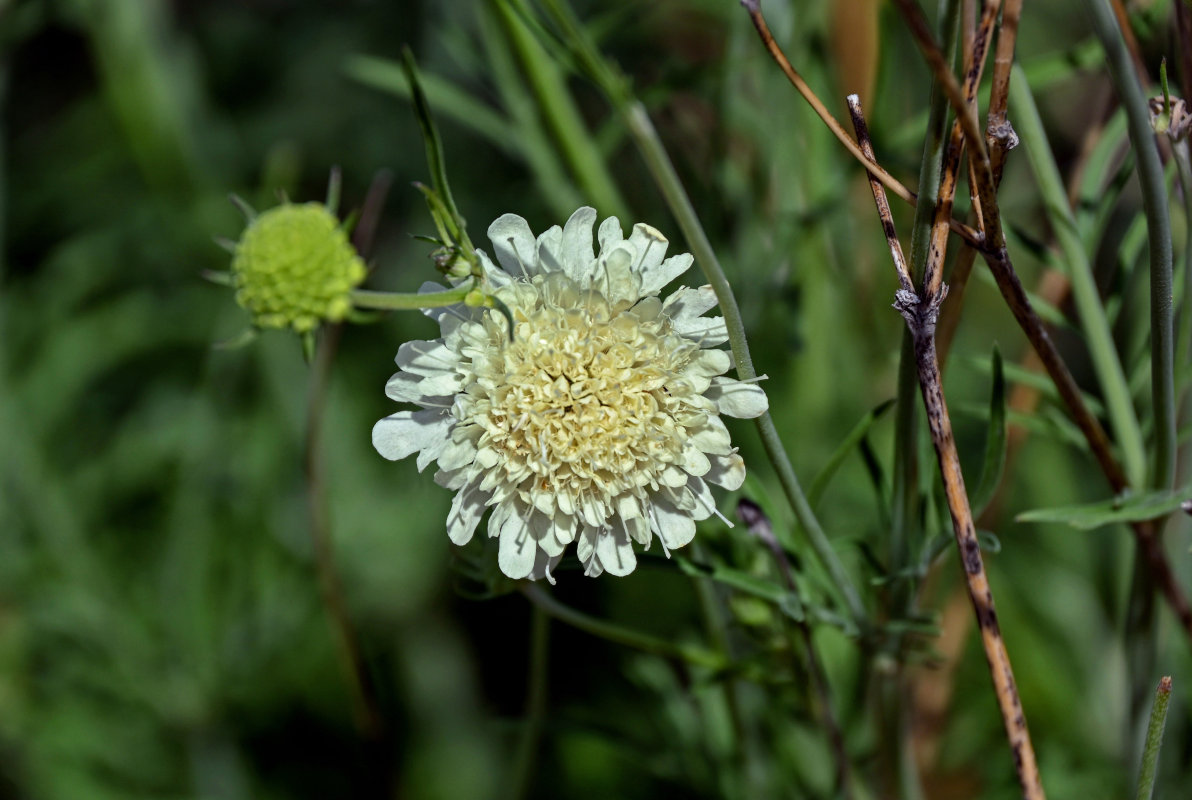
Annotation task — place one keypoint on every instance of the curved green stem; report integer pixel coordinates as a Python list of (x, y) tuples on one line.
[(396, 301), (631, 110), (1154, 202), (1106, 362), (1182, 155), (646, 137), (697, 656)]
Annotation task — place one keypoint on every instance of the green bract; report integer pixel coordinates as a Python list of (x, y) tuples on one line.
[(294, 267)]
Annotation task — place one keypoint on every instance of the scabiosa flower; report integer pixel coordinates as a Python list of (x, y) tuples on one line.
[(295, 268), (596, 422)]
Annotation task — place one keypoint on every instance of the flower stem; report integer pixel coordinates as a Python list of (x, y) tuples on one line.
[(697, 656), (645, 136), (1154, 740), (663, 171), (395, 301), (1154, 202)]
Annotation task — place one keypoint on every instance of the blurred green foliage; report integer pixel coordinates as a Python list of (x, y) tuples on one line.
[(161, 628)]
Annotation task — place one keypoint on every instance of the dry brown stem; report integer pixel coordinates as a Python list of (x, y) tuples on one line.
[(921, 312)]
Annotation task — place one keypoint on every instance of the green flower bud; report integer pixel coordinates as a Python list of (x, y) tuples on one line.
[(295, 268)]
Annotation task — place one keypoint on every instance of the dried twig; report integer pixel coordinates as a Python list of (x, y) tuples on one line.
[(920, 312), (934, 269)]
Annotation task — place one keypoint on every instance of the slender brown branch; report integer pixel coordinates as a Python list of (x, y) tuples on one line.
[(942, 72), (876, 170), (921, 313), (950, 312), (905, 281), (998, 133), (975, 61)]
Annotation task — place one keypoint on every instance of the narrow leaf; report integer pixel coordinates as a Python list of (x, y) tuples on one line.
[(820, 484), (1134, 508)]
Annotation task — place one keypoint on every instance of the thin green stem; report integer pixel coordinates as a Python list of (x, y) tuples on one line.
[(1154, 202), (562, 117), (1154, 740), (1182, 155), (1104, 355), (642, 130), (696, 656), (397, 301), (663, 171), (537, 682)]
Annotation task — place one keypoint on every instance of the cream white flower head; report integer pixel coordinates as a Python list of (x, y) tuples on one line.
[(597, 422)]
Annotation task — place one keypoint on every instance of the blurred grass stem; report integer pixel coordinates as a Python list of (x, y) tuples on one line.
[(1094, 322), (1154, 201)]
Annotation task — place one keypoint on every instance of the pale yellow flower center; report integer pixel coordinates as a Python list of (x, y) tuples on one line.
[(588, 400)]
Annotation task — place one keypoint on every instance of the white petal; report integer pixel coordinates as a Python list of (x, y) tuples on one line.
[(694, 461), (433, 450), (609, 235), (542, 528), (674, 527), (516, 551), (619, 282), (673, 476), (426, 358), (615, 553), (708, 363), (727, 471), (496, 276), (544, 565), (513, 243), (457, 453), (466, 510), (740, 400), (576, 248), (705, 503), (706, 331), (406, 432), (585, 545), (712, 437), (686, 302), (548, 250), (664, 273), (403, 387), (650, 245)]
